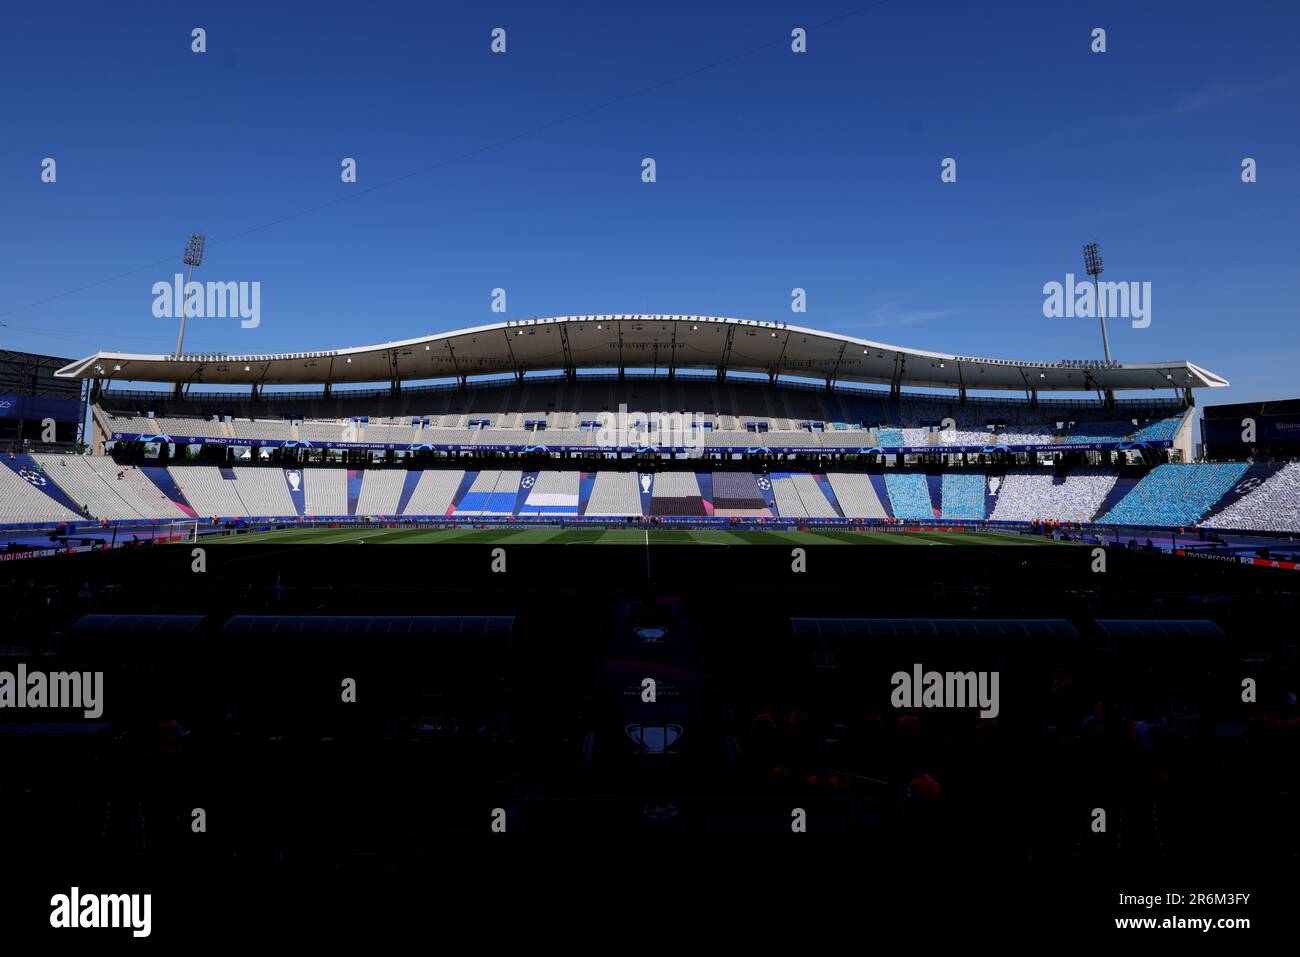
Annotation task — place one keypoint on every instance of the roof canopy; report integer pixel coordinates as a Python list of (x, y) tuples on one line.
[(661, 342)]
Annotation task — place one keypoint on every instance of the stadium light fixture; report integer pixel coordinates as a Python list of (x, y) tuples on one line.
[(193, 257), (1093, 265)]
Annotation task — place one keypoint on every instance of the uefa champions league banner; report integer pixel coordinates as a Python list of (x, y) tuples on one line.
[(645, 485)]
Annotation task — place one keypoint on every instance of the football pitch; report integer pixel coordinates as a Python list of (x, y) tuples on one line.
[(620, 536)]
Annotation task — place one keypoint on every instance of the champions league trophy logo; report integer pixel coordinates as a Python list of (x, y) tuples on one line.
[(645, 483), (295, 478)]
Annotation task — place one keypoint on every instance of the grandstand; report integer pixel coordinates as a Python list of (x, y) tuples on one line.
[(108, 490), (963, 495), (325, 490), (739, 495), (563, 439), (1175, 495), (1038, 495), (857, 495), (614, 495), (434, 493), (1274, 506), (909, 494)]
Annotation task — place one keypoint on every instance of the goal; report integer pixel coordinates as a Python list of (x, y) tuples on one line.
[(183, 531)]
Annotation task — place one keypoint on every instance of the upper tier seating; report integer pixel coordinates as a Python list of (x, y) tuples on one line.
[(849, 419), (245, 429)]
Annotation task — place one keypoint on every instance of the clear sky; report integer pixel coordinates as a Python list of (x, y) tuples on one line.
[(775, 170)]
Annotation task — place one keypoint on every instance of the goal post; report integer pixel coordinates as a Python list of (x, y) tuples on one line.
[(186, 530)]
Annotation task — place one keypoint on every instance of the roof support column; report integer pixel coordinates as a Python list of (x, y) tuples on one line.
[(835, 370), (621, 370), (570, 370), (726, 352), (896, 381)]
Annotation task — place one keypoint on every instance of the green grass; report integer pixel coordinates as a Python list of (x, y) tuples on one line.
[(615, 536)]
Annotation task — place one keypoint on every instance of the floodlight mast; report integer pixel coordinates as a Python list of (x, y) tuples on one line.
[(1092, 263), (193, 257)]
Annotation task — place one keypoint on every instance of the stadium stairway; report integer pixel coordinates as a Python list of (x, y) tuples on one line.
[(408, 489), (705, 480), (829, 492), (882, 492), (934, 482), (466, 484), (160, 477), (354, 489)]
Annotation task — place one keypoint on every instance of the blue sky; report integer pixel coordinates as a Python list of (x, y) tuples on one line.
[(775, 170)]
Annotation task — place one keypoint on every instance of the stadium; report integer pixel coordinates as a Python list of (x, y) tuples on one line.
[(690, 421), (676, 492), (395, 595)]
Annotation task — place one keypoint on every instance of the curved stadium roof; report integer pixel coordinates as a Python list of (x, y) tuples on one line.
[(663, 342)]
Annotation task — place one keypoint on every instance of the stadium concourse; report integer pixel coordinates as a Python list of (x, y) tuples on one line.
[(542, 433)]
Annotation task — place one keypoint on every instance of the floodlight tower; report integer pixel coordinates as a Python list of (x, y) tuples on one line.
[(1092, 263), (193, 257)]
